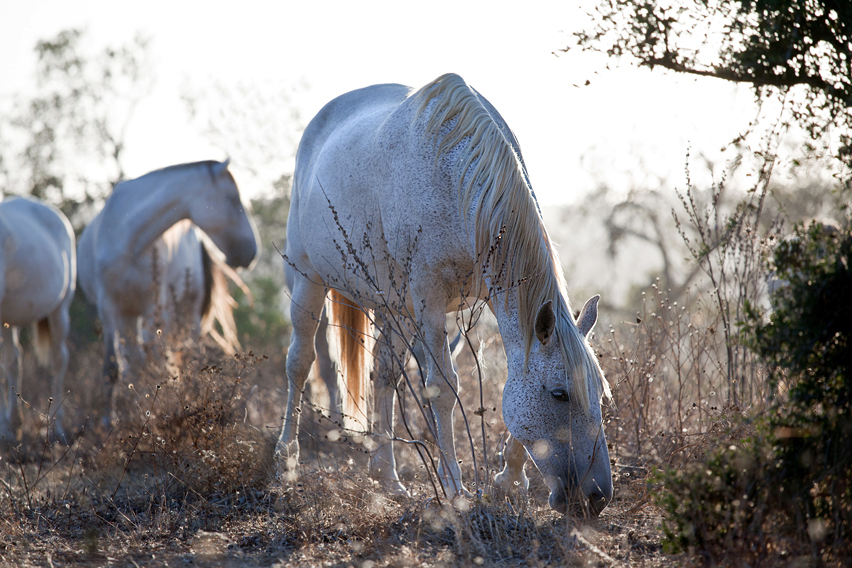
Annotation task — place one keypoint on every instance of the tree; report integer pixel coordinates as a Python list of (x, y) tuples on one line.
[(801, 48), (71, 133)]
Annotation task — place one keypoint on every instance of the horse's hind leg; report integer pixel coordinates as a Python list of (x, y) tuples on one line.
[(328, 372), (390, 362), (11, 419), (305, 310)]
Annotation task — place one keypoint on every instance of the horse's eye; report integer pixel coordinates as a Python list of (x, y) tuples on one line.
[(560, 394)]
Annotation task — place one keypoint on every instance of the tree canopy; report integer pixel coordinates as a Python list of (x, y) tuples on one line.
[(66, 141), (774, 45)]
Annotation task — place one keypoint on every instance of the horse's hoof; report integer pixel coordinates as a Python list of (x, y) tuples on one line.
[(394, 487), (456, 490), (506, 483)]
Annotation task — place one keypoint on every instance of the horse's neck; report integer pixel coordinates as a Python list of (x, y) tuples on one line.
[(505, 308), (147, 218)]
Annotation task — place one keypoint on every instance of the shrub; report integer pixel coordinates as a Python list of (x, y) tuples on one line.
[(792, 478)]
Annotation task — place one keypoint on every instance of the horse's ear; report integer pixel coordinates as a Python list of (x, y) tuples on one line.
[(588, 315), (545, 322), (221, 167)]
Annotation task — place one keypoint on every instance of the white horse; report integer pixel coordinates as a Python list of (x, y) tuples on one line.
[(342, 408), (37, 282), (404, 203), (143, 260)]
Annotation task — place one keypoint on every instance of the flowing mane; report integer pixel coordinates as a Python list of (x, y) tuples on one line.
[(493, 189)]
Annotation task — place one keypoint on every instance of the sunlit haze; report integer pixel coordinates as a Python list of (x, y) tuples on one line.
[(625, 126)]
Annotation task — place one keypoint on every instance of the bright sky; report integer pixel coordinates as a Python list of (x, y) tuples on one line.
[(626, 125)]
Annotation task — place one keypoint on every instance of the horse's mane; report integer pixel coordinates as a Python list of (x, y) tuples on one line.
[(218, 304), (509, 231)]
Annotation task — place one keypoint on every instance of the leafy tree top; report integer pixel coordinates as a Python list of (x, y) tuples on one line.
[(774, 45)]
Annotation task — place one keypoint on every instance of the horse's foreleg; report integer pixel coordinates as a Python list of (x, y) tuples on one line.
[(392, 355), (513, 477), (60, 324), (305, 310), (111, 367), (442, 387)]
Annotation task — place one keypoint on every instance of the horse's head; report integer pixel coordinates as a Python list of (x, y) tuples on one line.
[(222, 215), (564, 438)]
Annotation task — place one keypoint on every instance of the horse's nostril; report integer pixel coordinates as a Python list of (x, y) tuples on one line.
[(597, 502)]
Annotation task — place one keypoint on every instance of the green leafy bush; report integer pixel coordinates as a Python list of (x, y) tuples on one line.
[(261, 325), (792, 478)]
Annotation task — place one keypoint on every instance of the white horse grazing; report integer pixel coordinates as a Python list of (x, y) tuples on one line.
[(403, 203), (37, 282), (143, 261)]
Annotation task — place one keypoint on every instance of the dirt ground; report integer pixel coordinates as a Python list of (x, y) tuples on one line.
[(187, 479)]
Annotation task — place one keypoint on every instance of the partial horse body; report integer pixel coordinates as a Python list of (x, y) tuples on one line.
[(37, 281), (146, 260), (342, 408), (406, 203)]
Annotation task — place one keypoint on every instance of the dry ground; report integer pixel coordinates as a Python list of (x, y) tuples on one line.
[(187, 479)]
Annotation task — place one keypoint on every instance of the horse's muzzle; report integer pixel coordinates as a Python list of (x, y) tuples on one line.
[(569, 500), (241, 256)]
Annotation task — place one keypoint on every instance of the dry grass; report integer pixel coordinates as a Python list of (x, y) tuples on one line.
[(186, 479), (187, 476)]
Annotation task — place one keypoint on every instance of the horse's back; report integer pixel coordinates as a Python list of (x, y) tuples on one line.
[(29, 212), (339, 123), (38, 259), (331, 165), (364, 169)]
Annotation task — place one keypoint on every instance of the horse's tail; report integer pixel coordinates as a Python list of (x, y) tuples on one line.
[(218, 305), (43, 341), (351, 332)]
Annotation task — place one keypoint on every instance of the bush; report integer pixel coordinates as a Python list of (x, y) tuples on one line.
[(262, 325), (792, 478)]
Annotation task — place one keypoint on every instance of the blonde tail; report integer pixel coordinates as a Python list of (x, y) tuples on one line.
[(218, 304), (351, 331), (43, 341)]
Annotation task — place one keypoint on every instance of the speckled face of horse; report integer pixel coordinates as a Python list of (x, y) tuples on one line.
[(563, 434)]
